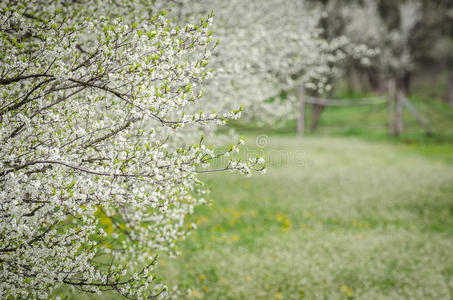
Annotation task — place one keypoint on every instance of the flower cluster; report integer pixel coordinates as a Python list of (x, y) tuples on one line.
[(95, 173), (364, 24), (267, 49)]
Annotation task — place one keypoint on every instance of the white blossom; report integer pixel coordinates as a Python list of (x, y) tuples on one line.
[(96, 165)]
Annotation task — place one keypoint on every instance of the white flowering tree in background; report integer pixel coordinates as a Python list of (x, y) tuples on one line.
[(282, 47), (365, 24), (394, 34), (269, 49), (95, 179)]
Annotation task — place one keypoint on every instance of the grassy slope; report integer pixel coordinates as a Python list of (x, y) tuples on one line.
[(332, 219)]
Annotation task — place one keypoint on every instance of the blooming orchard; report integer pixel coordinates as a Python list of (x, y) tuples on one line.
[(95, 179), (101, 102), (364, 24), (269, 47)]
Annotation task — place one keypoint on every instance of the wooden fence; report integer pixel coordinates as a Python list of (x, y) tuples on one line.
[(396, 102)]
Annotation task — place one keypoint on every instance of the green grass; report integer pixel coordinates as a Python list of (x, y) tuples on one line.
[(348, 212), (370, 123), (333, 218)]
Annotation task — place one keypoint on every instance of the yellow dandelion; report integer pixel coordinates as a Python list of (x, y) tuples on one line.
[(281, 216), (346, 290), (287, 225), (196, 294)]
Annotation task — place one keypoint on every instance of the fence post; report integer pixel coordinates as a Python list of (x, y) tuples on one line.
[(300, 91)]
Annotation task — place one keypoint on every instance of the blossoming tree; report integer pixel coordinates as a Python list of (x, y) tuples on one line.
[(269, 48), (394, 34), (95, 179)]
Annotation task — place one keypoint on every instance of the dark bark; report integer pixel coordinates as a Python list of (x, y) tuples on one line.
[(404, 82), (316, 116), (399, 125), (391, 107), (375, 82), (450, 89)]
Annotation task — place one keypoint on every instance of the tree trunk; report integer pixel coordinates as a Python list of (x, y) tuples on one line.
[(375, 82), (399, 113), (350, 81), (391, 107), (316, 116), (316, 113), (355, 82), (404, 82), (450, 89), (300, 91)]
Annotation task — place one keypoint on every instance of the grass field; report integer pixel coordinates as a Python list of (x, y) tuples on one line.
[(333, 218), (344, 213)]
